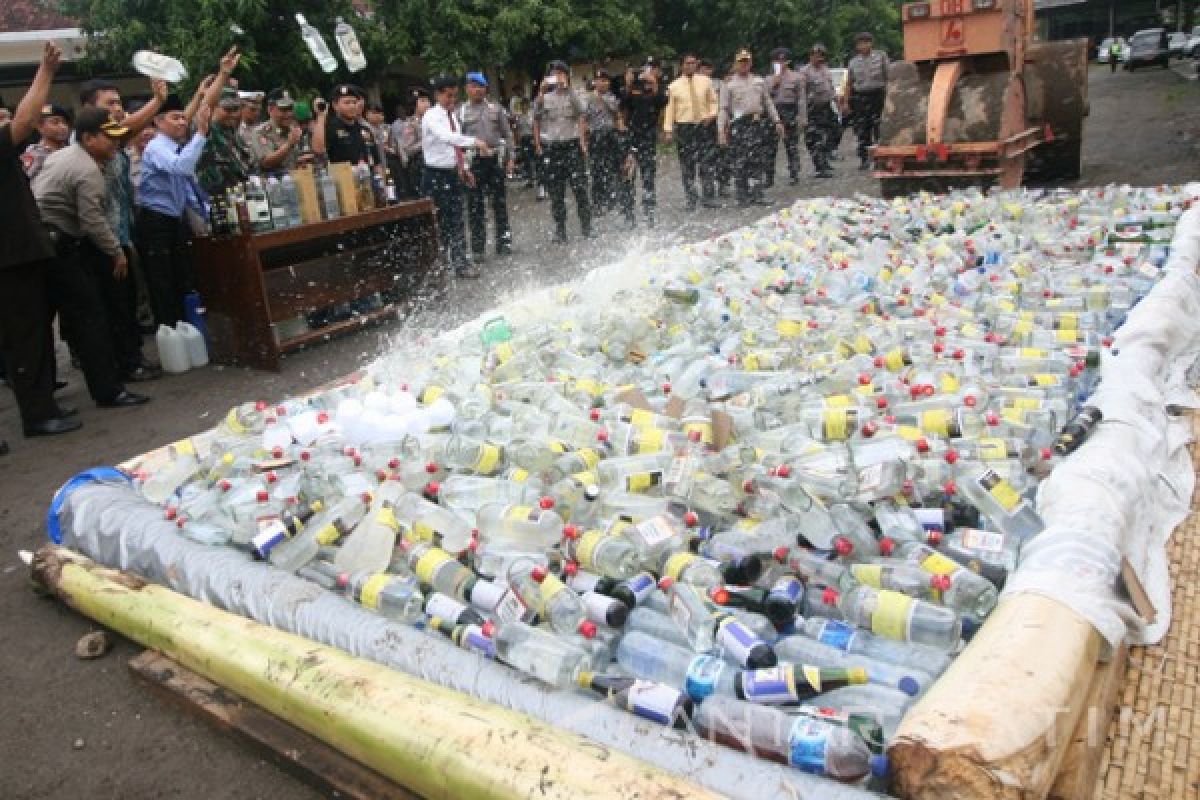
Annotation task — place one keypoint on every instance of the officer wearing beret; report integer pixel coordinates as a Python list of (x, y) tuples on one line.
[(343, 135), (787, 93), (487, 120), (280, 142), (560, 137)]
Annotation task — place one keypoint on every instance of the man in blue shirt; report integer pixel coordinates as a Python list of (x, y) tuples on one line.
[(167, 187)]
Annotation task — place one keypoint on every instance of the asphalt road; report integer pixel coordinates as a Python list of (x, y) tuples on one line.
[(72, 729)]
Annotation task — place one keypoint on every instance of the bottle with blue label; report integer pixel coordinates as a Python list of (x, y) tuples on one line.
[(853, 640), (653, 659), (738, 644)]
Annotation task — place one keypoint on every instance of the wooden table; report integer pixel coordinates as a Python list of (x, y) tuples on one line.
[(252, 282)]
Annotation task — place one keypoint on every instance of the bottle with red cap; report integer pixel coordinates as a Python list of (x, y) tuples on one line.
[(325, 528), (1008, 510), (893, 615), (438, 569), (605, 553), (427, 521), (992, 554), (468, 636), (292, 520), (654, 537), (251, 510), (370, 546), (856, 641), (545, 593), (537, 652), (525, 526), (396, 597), (683, 566), (955, 586)]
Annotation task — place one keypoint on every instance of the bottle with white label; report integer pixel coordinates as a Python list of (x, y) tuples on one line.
[(444, 607), (897, 616), (738, 644), (652, 659), (992, 554), (396, 597), (958, 587), (1002, 504), (800, 649), (650, 700), (808, 743), (539, 653)]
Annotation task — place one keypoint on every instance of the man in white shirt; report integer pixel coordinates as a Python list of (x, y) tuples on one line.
[(445, 172)]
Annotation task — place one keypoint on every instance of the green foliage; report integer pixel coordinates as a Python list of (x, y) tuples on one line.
[(453, 35)]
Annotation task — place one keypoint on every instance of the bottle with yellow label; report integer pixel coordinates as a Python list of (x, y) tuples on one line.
[(604, 553), (957, 587), (686, 567), (893, 615), (545, 593), (468, 493), (479, 457), (1000, 501), (534, 526), (436, 568), (426, 521), (396, 597)]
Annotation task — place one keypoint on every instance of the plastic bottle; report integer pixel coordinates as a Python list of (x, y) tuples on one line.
[(316, 45), (656, 702), (193, 340), (327, 192), (290, 197), (803, 650), (900, 617), (859, 642), (538, 653), (172, 351), (258, 206), (347, 41), (700, 676)]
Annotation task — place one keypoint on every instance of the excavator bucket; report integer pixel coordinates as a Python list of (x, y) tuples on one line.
[(1056, 84)]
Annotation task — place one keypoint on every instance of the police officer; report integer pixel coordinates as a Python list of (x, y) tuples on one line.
[(719, 154), (343, 135), (279, 143), (822, 120), (407, 133), (560, 138), (746, 114), (787, 93), (602, 108), (866, 84), (487, 120)]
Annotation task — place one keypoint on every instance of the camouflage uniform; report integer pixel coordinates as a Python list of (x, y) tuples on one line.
[(267, 137), (225, 162)]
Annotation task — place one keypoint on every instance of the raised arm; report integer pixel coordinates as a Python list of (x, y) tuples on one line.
[(29, 110)]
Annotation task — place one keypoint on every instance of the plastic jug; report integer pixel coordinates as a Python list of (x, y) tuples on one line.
[(172, 351), (197, 350), (195, 313)]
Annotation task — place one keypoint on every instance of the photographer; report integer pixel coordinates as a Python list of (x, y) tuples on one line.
[(560, 139), (641, 103)]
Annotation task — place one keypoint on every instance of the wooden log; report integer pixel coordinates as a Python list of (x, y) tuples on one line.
[(1081, 764), (302, 755), (1007, 740), (433, 741)]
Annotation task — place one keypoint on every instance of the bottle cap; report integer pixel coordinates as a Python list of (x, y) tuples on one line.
[(950, 488), (594, 415), (781, 554), (869, 429), (171, 513), (570, 532), (432, 488), (276, 452), (342, 580), (908, 685), (881, 402), (571, 569), (666, 387), (225, 486), (922, 445), (393, 463), (591, 493), (991, 418), (843, 546), (262, 496), (887, 546), (934, 538), (879, 765), (864, 379), (602, 435), (694, 436), (431, 468), (666, 583), (783, 471), (940, 582), (488, 629), (748, 486), (587, 629), (719, 595), (951, 456), (546, 503), (829, 597), (322, 418), (691, 519), (261, 405), (305, 455), (271, 477), (1047, 454), (539, 573), (970, 401)]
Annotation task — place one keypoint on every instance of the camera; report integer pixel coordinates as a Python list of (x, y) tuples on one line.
[(320, 106)]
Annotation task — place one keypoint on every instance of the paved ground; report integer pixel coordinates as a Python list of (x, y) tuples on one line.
[(1143, 130)]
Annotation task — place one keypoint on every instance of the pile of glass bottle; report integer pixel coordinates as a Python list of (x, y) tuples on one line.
[(765, 494)]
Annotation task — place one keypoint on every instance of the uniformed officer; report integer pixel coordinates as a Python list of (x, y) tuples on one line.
[(602, 108), (343, 135), (280, 142), (560, 138), (407, 133), (746, 114), (487, 120), (822, 122), (54, 133), (226, 160), (787, 93), (866, 85), (692, 116), (720, 154)]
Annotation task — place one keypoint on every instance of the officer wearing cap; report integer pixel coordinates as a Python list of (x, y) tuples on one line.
[(720, 154), (487, 120), (866, 85), (442, 145), (251, 114), (343, 135), (54, 132), (787, 93), (279, 143), (602, 109), (226, 160), (822, 121), (407, 133), (560, 139), (89, 260), (746, 114)]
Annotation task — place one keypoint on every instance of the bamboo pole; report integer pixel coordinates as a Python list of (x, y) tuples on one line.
[(1003, 737), (433, 741)]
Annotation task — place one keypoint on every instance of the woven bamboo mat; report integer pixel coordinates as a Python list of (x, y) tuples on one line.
[(1153, 744)]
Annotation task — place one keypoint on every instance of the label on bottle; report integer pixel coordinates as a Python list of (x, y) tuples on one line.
[(1066, 336), (641, 585), (510, 608), (676, 565), (863, 345), (597, 606), (676, 476), (1027, 403), (1001, 490), (428, 564), (737, 640), (937, 422), (1033, 352), (992, 449), (835, 424), (550, 587), (557, 446), (487, 460), (892, 615), (444, 606), (431, 394), (985, 541), (372, 589), (703, 676), (910, 433), (1045, 380), (643, 481), (789, 329), (937, 564), (522, 514), (503, 352), (268, 537), (788, 589), (473, 639), (589, 386), (654, 531), (774, 686), (589, 457), (328, 535), (807, 742), (650, 440), (641, 418), (837, 634), (653, 701), (931, 519), (701, 426), (585, 548), (868, 574), (894, 360), (518, 475)]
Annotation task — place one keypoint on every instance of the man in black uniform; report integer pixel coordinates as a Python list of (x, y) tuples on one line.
[(25, 256), (641, 103), (343, 135)]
